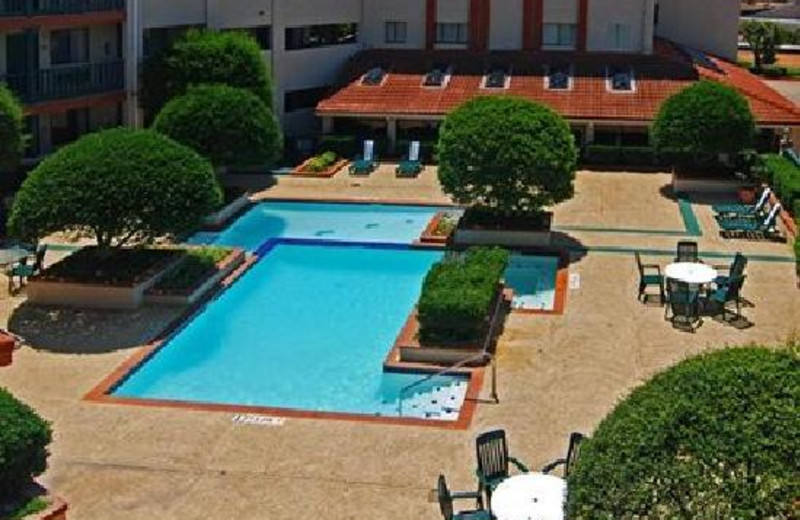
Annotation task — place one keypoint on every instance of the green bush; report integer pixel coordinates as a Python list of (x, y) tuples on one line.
[(229, 126), (12, 143), (457, 295), (342, 145), (506, 154), (124, 186), (24, 437), (322, 162), (203, 57), (774, 71), (197, 265), (784, 176), (713, 437), (600, 154), (703, 121)]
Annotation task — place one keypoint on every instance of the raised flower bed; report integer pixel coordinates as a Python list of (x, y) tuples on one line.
[(482, 228), (439, 229), (324, 165)]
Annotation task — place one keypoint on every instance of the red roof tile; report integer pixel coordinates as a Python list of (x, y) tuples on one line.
[(657, 77)]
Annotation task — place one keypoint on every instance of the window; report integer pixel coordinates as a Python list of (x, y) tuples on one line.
[(303, 99), (311, 36), (619, 36), (559, 35), (497, 77), (396, 32), (620, 79), (374, 77), (451, 33), (437, 76), (262, 34), (559, 77), (69, 46)]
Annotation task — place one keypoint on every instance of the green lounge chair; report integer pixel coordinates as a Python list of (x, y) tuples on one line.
[(743, 210), (366, 164), (493, 462), (748, 227), (446, 499), (411, 166), (651, 279)]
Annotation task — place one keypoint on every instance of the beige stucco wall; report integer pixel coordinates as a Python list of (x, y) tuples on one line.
[(632, 13), (378, 12), (452, 11), (161, 13), (560, 11), (506, 25), (709, 25), (225, 14)]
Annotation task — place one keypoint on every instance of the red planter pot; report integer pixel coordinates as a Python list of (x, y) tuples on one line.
[(7, 345)]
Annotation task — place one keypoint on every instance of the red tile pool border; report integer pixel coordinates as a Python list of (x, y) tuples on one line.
[(101, 392)]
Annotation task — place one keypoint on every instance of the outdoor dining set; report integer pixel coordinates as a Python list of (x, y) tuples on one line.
[(20, 262), (690, 289), (501, 495)]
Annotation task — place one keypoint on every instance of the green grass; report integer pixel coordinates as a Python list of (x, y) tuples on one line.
[(34, 505), (197, 265)]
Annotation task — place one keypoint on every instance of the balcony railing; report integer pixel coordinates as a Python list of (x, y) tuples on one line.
[(56, 7), (67, 82)]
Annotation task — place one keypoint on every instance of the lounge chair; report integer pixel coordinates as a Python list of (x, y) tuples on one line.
[(22, 270), (411, 166), (446, 498), (728, 293), (683, 303), (748, 227), (573, 452), (741, 210), (687, 251), (652, 279), (366, 164), (493, 462)]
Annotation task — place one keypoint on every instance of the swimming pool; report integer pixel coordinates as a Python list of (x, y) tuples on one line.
[(533, 279), (306, 328), (329, 221)]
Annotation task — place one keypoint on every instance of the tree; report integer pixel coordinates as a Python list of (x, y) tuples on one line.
[(229, 126), (205, 57), (763, 38), (24, 437), (506, 155), (12, 142), (124, 186), (703, 121), (712, 437)]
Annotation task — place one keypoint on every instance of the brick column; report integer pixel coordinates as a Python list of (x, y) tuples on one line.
[(480, 12), (583, 24), (430, 24), (532, 22)]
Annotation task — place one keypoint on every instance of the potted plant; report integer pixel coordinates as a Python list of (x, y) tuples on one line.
[(7, 345)]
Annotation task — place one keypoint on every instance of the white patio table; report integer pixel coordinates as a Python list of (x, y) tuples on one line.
[(12, 255), (530, 496), (691, 273)]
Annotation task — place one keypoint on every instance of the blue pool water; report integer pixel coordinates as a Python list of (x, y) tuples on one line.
[(352, 222), (306, 328), (533, 279)]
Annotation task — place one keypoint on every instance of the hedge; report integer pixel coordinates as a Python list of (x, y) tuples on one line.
[(619, 155), (12, 142), (457, 295), (322, 162), (712, 437), (784, 177), (24, 437), (342, 145)]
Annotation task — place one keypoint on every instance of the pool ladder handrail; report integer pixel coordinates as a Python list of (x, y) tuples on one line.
[(484, 356)]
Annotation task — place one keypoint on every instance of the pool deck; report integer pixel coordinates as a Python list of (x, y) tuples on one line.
[(557, 374)]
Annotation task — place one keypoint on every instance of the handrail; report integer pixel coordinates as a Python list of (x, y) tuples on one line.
[(484, 355)]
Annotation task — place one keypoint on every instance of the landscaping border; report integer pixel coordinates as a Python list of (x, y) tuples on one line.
[(224, 268), (299, 171)]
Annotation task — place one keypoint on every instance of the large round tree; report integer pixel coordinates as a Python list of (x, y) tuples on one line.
[(205, 57), (506, 155), (12, 144), (704, 121), (124, 186), (713, 437), (229, 126)]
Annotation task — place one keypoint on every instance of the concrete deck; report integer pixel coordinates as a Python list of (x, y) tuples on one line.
[(557, 374)]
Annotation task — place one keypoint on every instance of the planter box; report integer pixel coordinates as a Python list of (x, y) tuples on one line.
[(428, 235), (93, 295), (688, 184), (220, 218), (330, 172), (482, 230), (191, 296)]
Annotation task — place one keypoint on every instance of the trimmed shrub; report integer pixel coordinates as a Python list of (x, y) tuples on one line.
[(509, 155), (24, 437), (228, 126), (457, 295), (124, 186), (12, 143), (703, 121), (784, 176), (203, 57), (712, 437), (322, 162), (342, 145)]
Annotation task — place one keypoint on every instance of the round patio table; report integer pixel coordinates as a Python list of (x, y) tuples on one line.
[(691, 273), (12, 255), (530, 496)]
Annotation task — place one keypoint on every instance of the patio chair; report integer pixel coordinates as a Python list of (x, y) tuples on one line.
[(683, 303), (366, 163), (653, 279), (735, 269), (573, 452), (748, 227), (493, 462), (727, 293), (22, 270), (744, 210), (687, 251), (411, 166), (446, 499)]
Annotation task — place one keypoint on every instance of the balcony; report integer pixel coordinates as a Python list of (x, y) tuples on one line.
[(67, 82), (24, 8)]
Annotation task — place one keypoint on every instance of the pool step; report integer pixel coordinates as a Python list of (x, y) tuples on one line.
[(440, 402)]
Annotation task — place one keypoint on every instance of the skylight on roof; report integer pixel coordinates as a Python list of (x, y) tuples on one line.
[(437, 76), (559, 77), (497, 77), (620, 79), (374, 77)]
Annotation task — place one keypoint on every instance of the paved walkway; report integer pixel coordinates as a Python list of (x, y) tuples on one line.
[(557, 374)]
